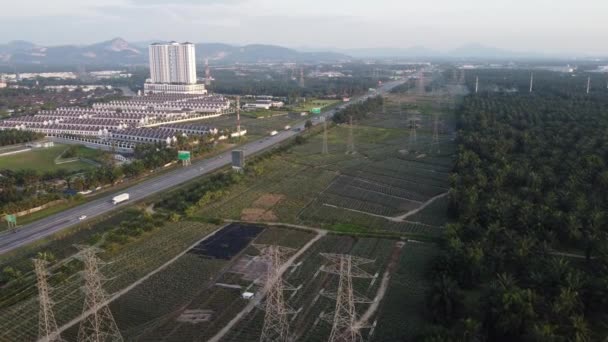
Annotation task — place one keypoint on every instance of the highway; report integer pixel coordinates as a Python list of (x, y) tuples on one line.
[(54, 223)]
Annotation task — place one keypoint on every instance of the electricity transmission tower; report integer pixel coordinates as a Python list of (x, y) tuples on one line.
[(302, 84), (413, 138), (588, 84), (207, 73), (238, 116), (476, 84), (276, 322), (435, 140), (344, 320), (350, 147), (325, 149), (384, 105), (47, 326), (531, 81), (99, 324)]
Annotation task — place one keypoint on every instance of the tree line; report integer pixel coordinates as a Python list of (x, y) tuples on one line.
[(14, 136), (526, 257), (358, 111)]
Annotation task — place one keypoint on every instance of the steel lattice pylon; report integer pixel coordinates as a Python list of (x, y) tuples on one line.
[(276, 322), (350, 147), (47, 326), (325, 149), (99, 324), (344, 318), (435, 141), (413, 137)]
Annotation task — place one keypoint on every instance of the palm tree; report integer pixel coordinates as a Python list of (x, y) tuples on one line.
[(580, 329), (445, 298)]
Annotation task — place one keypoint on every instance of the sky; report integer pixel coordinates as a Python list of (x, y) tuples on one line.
[(549, 26)]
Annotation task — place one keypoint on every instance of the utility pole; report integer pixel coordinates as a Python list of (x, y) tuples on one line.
[(325, 149), (47, 326), (476, 84), (207, 73), (350, 148), (531, 81), (383, 105), (344, 319), (238, 116), (99, 324), (276, 322)]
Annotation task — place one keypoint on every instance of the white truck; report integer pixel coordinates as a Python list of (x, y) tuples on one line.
[(287, 128), (120, 198), (273, 133)]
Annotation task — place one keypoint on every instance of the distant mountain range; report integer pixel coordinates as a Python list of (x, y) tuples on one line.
[(468, 52), (120, 52)]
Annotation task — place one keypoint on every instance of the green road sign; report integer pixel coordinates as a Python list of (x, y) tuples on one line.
[(11, 219), (183, 155), (316, 110)]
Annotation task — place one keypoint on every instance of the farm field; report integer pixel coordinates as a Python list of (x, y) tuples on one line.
[(44, 160), (204, 293), (209, 287), (377, 189), (124, 266), (262, 113)]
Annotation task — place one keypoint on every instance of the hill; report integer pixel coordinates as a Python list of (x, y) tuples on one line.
[(120, 52)]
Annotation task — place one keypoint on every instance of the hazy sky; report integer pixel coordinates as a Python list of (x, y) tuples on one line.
[(525, 25)]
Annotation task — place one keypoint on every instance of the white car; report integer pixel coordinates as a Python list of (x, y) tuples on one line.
[(82, 217)]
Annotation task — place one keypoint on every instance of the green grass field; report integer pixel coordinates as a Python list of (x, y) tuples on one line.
[(263, 113), (312, 103), (44, 159)]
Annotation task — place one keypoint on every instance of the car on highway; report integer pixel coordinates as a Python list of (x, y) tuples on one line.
[(83, 217)]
